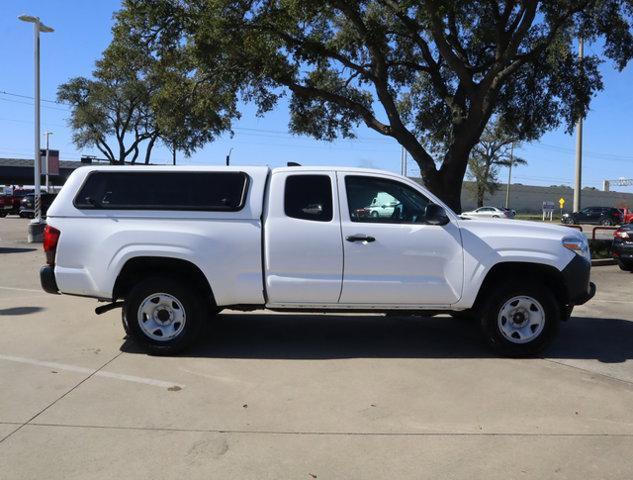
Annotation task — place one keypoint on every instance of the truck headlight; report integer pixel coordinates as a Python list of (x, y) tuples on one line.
[(578, 245)]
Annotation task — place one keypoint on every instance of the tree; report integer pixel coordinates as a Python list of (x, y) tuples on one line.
[(494, 150), (114, 105), (429, 74), (135, 97), (102, 109)]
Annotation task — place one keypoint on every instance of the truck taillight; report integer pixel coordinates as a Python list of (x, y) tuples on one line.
[(51, 237)]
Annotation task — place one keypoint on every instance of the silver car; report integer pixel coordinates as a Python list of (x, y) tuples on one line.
[(488, 212)]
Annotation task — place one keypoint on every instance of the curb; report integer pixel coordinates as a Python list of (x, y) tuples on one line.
[(602, 262)]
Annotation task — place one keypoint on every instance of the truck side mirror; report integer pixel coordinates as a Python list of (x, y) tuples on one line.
[(435, 215)]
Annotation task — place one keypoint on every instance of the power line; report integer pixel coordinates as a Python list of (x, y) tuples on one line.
[(31, 104), (4, 92)]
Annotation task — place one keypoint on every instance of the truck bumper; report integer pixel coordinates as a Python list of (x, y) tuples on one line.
[(576, 274), (47, 279)]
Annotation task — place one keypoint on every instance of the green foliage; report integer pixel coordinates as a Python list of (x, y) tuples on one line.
[(430, 74)]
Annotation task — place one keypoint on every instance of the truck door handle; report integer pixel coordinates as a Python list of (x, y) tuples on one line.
[(360, 238)]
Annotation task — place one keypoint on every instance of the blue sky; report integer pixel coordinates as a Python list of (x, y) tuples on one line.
[(82, 31)]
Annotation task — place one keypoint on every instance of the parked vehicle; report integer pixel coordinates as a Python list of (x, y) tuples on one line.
[(27, 208), (488, 212), (6, 205), (383, 205), (627, 215), (174, 245), (510, 211), (13, 201), (594, 216), (622, 248)]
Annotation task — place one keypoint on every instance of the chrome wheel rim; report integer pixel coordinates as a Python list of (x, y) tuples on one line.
[(521, 319), (161, 317)]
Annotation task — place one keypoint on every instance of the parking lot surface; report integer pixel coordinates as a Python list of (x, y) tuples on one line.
[(306, 396)]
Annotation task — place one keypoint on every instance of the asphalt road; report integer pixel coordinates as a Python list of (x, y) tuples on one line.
[(307, 396)]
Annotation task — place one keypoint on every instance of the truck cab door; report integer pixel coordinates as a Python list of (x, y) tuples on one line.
[(398, 260), (303, 251)]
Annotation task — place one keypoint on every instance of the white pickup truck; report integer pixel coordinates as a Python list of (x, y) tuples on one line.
[(175, 245)]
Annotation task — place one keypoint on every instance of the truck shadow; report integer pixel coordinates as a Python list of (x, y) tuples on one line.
[(300, 337), (16, 250)]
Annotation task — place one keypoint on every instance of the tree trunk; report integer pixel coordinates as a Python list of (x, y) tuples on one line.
[(481, 192), (148, 152), (447, 189)]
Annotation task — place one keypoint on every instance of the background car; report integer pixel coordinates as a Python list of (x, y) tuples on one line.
[(13, 201), (383, 205), (511, 211), (594, 216), (627, 215), (488, 212), (27, 204), (5, 205), (622, 248)]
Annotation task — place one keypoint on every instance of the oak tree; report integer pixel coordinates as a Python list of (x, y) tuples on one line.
[(429, 74)]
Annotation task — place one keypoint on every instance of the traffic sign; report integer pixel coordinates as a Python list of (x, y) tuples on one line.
[(561, 202)]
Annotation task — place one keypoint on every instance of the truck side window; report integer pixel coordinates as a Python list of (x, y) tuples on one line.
[(308, 197), (378, 200), (165, 190)]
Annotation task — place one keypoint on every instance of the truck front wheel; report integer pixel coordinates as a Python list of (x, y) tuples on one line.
[(520, 320), (163, 316)]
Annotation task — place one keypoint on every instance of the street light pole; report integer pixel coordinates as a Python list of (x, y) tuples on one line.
[(509, 175), (228, 157), (36, 227), (578, 182)]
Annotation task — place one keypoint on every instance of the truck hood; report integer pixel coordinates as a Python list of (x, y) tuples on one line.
[(499, 240), (512, 227)]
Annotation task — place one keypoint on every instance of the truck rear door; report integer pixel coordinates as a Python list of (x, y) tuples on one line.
[(303, 251)]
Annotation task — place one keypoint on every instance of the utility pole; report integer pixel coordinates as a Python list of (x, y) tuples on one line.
[(578, 182), (173, 153), (509, 175), (47, 164), (228, 157), (403, 162)]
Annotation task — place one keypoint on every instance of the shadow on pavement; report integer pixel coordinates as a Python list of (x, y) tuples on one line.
[(331, 337), (20, 310), (16, 250)]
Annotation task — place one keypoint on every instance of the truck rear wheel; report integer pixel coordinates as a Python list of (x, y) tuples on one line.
[(520, 320), (163, 316)]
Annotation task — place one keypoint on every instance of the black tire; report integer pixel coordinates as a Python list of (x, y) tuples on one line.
[(606, 222), (375, 214), (193, 309), (490, 321), (625, 265), (3, 214), (124, 322)]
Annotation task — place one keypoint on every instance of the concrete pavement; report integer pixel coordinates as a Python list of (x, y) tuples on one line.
[(307, 396)]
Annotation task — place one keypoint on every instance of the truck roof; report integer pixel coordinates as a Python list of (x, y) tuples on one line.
[(258, 169)]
